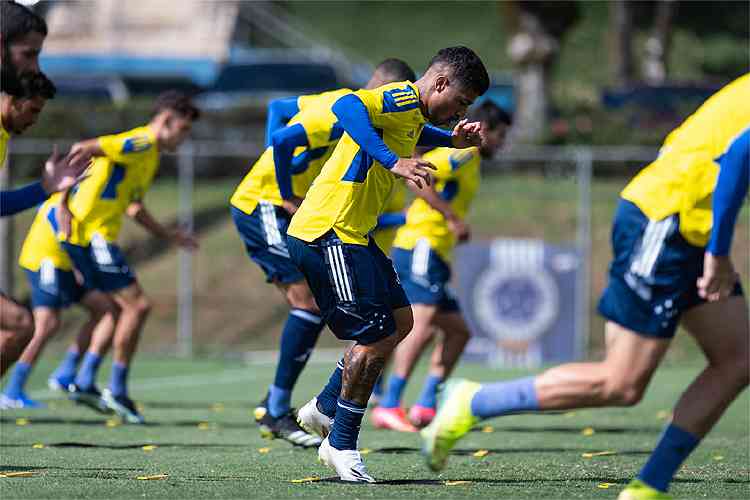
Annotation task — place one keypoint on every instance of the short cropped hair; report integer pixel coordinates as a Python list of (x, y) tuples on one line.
[(36, 85), (396, 69), (17, 20), (490, 113), (177, 101), (466, 66)]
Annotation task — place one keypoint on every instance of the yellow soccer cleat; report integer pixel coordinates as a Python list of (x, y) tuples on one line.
[(638, 490), (453, 420)]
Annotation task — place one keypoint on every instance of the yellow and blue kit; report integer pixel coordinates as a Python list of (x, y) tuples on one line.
[(353, 282), (391, 219), (48, 268), (17, 200), (285, 169), (117, 179), (424, 245), (680, 206)]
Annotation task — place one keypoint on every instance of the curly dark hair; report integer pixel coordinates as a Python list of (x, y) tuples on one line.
[(397, 69), (17, 20), (177, 101), (467, 67)]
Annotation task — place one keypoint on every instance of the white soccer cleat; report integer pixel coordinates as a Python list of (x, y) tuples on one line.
[(313, 420), (348, 464)]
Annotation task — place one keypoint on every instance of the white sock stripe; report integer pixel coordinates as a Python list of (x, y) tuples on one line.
[(345, 270), (307, 316), (352, 409), (340, 364), (335, 274)]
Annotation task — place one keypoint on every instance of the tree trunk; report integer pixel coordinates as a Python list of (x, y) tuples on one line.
[(621, 42), (654, 67)]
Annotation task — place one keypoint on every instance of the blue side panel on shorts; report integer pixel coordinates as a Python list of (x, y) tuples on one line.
[(102, 264), (425, 277), (53, 288)]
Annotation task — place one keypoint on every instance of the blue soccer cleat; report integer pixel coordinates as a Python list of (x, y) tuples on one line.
[(22, 401), (90, 397)]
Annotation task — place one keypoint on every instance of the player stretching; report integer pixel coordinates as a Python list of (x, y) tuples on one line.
[(422, 253), (262, 206), (671, 239), (123, 168), (353, 282), (22, 34)]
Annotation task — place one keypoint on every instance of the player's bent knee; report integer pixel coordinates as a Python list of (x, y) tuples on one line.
[(623, 393)]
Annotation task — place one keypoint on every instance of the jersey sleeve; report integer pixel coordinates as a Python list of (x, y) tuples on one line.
[(356, 118), (126, 148), (90, 189)]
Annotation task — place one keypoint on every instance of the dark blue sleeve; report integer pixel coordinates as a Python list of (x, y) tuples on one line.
[(731, 189), (280, 111), (17, 200), (284, 142), (355, 120), (434, 136), (392, 219)]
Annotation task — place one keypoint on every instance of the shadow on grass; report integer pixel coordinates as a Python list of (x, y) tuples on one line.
[(131, 446), (402, 450), (100, 422), (575, 429)]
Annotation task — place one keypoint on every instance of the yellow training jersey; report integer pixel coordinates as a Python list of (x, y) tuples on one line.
[(457, 181), (41, 243), (396, 204), (683, 178), (318, 121), (352, 189), (120, 177), (4, 139)]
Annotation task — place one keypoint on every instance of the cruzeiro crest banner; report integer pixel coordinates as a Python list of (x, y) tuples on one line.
[(520, 299)]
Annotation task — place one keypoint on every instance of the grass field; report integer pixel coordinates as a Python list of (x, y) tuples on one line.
[(200, 436)]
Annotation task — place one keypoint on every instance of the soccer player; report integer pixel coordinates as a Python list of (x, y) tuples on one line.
[(671, 239), (123, 168), (353, 282), (262, 206), (422, 255)]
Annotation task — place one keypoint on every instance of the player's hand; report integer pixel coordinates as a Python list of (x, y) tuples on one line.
[(719, 277), (467, 134), (62, 172), (415, 170), (292, 204), (185, 239), (64, 219), (79, 154), (460, 228)]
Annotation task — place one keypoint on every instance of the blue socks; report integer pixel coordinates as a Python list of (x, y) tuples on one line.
[(428, 397), (86, 376), (501, 398), (673, 448), (118, 380), (66, 372), (392, 397), (298, 339), (346, 425), (328, 398), (17, 380), (377, 389)]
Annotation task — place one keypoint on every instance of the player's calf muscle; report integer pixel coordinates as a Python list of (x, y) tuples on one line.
[(362, 367)]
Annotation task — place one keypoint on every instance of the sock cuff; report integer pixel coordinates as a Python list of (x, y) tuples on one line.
[(675, 433), (340, 364), (351, 406), (20, 365), (92, 356), (305, 315)]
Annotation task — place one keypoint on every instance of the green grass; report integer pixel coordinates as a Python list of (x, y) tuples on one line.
[(529, 456)]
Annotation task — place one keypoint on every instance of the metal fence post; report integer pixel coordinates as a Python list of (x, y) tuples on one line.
[(185, 275), (584, 166)]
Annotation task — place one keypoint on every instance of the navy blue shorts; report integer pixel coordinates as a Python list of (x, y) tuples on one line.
[(54, 288), (355, 286), (425, 277), (652, 279), (264, 234), (102, 265)]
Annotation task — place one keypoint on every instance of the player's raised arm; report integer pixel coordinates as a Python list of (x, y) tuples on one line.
[(280, 111), (284, 142), (719, 277), (354, 118)]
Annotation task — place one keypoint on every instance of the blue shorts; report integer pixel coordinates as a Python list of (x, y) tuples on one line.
[(355, 286), (652, 279), (425, 276), (54, 288), (264, 234), (102, 265)]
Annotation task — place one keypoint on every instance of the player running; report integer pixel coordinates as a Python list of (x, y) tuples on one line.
[(123, 168), (262, 206), (353, 282), (671, 239), (422, 254)]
